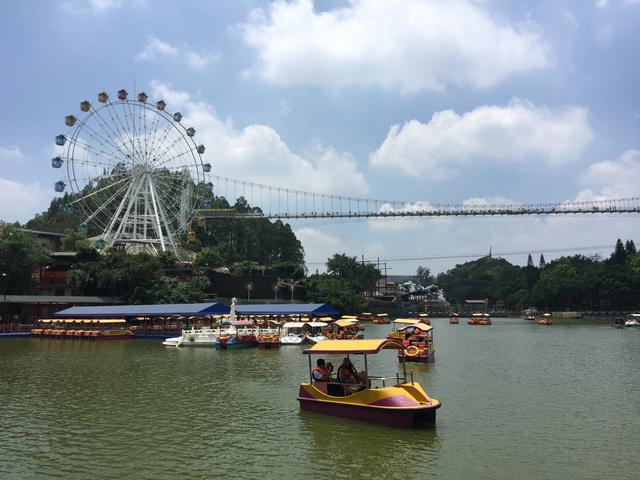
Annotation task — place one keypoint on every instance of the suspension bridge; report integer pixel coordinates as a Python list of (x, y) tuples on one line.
[(284, 203)]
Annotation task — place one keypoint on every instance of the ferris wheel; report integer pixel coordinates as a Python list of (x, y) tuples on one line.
[(133, 171)]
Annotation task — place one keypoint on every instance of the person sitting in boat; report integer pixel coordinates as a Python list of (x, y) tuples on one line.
[(322, 372), (347, 372)]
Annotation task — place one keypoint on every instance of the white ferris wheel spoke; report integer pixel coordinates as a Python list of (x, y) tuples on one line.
[(134, 171)]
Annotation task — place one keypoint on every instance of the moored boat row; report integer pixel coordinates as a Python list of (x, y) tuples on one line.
[(83, 329)]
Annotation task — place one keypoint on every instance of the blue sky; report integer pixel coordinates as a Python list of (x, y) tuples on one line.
[(411, 100)]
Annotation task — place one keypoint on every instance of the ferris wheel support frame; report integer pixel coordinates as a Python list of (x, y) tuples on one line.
[(116, 232)]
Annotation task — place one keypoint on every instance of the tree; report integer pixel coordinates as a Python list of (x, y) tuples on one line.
[(209, 257), (557, 286), (20, 255), (630, 248), (542, 263), (531, 274), (619, 254), (338, 292), (424, 276), (172, 290), (488, 277), (362, 275), (74, 241)]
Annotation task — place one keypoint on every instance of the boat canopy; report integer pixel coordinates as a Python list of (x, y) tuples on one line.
[(382, 314), (317, 324), (352, 346), (423, 315), (422, 326), (346, 322), (348, 317), (172, 310), (242, 323), (294, 325), (287, 309), (405, 321)]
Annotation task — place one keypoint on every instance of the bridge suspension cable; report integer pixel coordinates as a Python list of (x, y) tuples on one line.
[(285, 203)]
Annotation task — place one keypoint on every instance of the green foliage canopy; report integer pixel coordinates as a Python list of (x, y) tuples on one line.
[(20, 255)]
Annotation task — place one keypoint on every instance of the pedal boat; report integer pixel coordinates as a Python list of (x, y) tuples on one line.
[(454, 319), (195, 337), (268, 334), (417, 343), (632, 320), (292, 334), (404, 404), (545, 319), (398, 324), (346, 329), (381, 319), (479, 319), (314, 331), (240, 334), (424, 318)]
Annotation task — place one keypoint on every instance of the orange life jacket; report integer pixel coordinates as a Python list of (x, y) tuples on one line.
[(324, 373)]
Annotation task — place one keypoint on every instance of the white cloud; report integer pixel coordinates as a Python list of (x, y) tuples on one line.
[(387, 224), (605, 3), (78, 7), (319, 246), (11, 153), (156, 49), (258, 154), (609, 179), (19, 201), (99, 5), (409, 45), (517, 133), (488, 201)]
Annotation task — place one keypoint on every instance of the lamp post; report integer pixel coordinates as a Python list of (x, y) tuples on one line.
[(292, 287), (275, 291), (249, 288)]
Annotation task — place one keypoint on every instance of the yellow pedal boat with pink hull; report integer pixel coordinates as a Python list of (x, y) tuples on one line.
[(403, 404)]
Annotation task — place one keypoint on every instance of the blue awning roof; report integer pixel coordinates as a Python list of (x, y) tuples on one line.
[(145, 310), (287, 309)]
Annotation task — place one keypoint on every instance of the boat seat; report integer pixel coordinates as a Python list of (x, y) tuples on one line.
[(336, 390)]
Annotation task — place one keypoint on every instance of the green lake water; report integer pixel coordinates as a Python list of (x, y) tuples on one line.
[(518, 401)]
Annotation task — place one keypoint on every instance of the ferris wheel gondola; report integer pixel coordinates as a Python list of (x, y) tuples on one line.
[(133, 171)]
